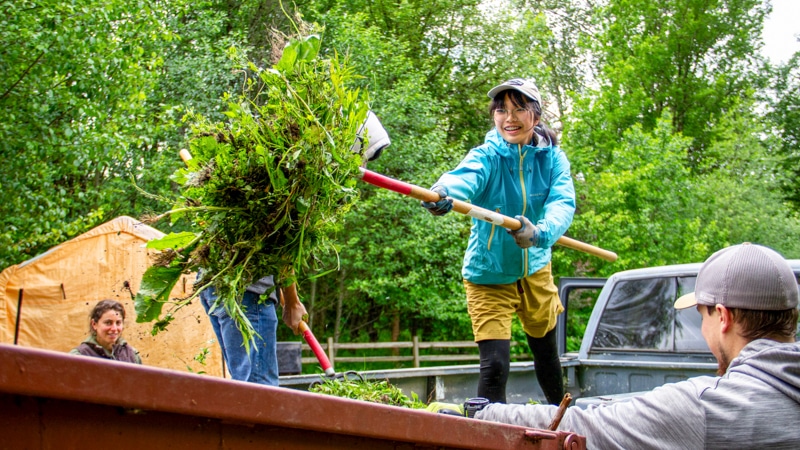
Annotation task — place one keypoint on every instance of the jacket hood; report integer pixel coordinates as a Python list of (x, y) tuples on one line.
[(772, 362), (504, 148)]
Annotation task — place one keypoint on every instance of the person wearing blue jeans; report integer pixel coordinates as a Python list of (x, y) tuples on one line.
[(261, 364)]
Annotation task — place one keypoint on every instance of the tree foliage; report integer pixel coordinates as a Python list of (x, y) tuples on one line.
[(682, 139), (690, 58), (76, 79), (670, 139), (783, 98)]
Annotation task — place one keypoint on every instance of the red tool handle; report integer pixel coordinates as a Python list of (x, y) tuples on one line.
[(317, 349), (475, 211)]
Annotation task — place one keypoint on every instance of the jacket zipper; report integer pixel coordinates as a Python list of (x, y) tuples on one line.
[(524, 205), (491, 234)]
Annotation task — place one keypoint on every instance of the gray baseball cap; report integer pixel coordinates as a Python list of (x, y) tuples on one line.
[(745, 276), (527, 87)]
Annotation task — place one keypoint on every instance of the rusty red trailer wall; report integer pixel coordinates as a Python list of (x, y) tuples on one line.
[(51, 400)]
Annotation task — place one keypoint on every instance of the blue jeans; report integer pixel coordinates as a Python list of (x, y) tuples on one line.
[(261, 365)]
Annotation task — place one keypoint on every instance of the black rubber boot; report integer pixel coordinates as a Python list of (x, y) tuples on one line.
[(548, 366), (495, 361)]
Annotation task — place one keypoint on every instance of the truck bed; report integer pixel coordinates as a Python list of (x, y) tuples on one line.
[(55, 400)]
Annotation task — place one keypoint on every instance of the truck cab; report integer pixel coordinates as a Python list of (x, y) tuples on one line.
[(635, 340)]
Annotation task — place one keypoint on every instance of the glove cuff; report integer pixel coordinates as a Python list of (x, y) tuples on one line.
[(373, 132), (441, 190), (535, 236)]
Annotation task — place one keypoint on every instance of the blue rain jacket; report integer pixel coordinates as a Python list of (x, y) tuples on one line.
[(512, 180)]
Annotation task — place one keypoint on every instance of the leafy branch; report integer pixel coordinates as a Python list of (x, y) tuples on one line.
[(266, 190)]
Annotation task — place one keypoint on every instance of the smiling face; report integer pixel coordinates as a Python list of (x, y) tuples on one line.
[(108, 328), (514, 121)]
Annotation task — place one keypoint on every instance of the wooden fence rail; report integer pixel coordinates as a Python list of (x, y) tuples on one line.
[(415, 345)]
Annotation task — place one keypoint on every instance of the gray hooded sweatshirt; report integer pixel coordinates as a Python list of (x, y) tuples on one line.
[(756, 404)]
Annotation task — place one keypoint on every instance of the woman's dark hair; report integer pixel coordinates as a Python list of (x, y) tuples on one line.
[(101, 307), (520, 100)]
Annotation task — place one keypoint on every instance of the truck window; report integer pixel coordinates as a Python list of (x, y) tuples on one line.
[(688, 337), (640, 316)]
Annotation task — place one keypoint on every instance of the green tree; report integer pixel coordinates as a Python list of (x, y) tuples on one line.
[(691, 63), (742, 195), (77, 75), (691, 58), (640, 203), (93, 99), (784, 115)]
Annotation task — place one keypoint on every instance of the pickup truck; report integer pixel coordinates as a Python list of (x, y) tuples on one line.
[(634, 341)]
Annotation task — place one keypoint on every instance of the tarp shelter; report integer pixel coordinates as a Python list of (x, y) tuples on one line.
[(45, 302)]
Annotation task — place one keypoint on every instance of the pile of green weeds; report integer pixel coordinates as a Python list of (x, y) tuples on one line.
[(358, 388), (264, 191)]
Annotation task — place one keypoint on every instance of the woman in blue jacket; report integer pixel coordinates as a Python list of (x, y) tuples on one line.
[(519, 171)]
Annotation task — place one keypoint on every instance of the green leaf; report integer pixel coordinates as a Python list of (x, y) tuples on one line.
[(301, 205), (172, 241), (286, 63), (157, 283), (308, 48)]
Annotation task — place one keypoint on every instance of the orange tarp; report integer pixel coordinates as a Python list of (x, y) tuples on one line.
[(61, 286)]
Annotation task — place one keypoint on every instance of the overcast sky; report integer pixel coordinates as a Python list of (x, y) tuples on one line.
[(781, 30)]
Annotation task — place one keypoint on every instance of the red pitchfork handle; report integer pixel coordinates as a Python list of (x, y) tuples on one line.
[(302, 327), (312, 342), (477, 212)]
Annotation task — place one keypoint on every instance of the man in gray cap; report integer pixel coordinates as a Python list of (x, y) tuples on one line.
[(745, 293), (747, 297)]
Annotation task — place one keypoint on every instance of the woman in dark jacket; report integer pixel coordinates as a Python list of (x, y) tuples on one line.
[(105, 334)]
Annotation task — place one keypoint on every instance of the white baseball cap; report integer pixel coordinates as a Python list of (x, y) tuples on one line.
[(527, 87)]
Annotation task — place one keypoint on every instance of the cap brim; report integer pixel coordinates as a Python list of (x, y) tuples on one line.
[(506, 87), (498, 89), (685, 301)]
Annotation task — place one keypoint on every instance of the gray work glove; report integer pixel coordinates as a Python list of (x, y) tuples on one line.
[(441, 207), (528, 235), (374, 134)]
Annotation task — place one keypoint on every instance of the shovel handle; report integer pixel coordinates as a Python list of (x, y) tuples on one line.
[(477, 212), (312, 342)]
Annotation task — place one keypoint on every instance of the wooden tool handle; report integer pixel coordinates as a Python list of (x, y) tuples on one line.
[(562, 408), (477, 212)]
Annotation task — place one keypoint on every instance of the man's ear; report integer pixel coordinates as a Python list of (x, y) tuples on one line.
[(725, 318)]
